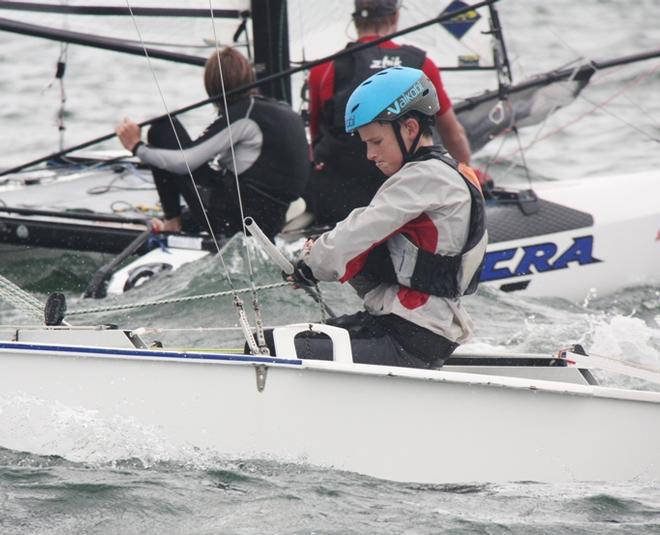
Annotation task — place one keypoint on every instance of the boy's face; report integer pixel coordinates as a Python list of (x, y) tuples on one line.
[(382, 146)]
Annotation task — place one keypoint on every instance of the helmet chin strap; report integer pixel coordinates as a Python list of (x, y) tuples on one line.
[(407, 154)]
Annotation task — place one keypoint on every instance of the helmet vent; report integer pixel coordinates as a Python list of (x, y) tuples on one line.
[(426, 92), (355, 107), (366, 82)]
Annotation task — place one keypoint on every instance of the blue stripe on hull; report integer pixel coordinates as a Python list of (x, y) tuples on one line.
[(148, 353)]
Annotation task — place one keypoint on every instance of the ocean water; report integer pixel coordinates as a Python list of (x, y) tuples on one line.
[(91, 476)]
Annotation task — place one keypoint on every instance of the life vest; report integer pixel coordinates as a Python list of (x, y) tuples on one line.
[(335, 146), (400, 261), (281, 171)]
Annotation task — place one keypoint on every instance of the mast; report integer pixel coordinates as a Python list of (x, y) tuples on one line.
[(118, 11), (500, 55), (95, 41), (270, 29)]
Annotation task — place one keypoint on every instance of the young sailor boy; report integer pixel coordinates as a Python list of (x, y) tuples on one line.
[(417, 247)]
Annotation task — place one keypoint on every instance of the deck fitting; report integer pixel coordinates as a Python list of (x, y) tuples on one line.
[(262, 372)]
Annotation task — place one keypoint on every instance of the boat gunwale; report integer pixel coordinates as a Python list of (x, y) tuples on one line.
[(372, 370)]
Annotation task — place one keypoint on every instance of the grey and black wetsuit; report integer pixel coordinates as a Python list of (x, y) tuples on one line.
[(341, 159), (430, 213), (272, 161)]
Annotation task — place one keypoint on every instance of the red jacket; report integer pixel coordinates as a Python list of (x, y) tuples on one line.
[(322, 86)]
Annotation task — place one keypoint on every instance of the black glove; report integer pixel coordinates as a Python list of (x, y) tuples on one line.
[(302, 274)]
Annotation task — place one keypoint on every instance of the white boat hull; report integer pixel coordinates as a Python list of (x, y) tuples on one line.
[(434, 426), (621, 249)]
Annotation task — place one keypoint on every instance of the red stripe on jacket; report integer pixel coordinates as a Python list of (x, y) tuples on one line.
[(423, 233)]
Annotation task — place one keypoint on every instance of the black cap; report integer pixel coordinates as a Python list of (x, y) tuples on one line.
[(372, 9)]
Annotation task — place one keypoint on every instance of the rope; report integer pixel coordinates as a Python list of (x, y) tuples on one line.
[(626, 88), (20, 299), (237, 301), (513, 128), (157, 330), (144, 304), (61, 112), (258, 345), (59, 78)]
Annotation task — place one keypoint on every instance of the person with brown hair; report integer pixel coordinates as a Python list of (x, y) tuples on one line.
[(269, 146), (416, 249), (340, 164)]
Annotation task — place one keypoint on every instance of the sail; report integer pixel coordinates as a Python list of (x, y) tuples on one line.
[(315, 29), (318, 29), (493, 113), (321, 28)]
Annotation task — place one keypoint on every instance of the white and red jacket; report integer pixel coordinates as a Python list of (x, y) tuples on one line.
[(429, 203)]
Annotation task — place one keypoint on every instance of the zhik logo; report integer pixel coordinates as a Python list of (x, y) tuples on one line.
[(385, 62)]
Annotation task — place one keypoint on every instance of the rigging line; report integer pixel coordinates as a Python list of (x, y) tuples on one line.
[(632, 126), (231, 143), (504, 81), (27, 298), (597, 106), (554, 108), (61, 112), (501, 56), (247, 44), (264, 80), (303, 109), (281, 45), (503, 70), (178, 141), (156, 330), (521, 150), (175, 300), (648, 115), (567, 45), (19, 298), (597, 67), (61, 68), (494, 157), (603, 74), (537, 137), (301, 19), (237, 301), (255, 301), (19, 305), (522, 156)]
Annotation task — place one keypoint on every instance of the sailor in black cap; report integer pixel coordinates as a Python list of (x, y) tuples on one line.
[(340, 164)]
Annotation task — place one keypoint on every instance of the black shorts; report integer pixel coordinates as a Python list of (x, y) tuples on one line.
[(217, 191)]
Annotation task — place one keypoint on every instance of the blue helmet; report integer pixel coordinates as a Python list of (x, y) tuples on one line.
[(390, 94)]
